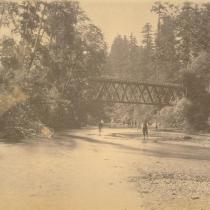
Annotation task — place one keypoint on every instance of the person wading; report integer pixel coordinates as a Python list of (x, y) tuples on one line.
[(145, 130), (100, 126)]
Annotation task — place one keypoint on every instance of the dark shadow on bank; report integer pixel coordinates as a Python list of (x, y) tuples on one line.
[(159, 149), (11, 139), (63, 141), (155, 137), (57, 140)]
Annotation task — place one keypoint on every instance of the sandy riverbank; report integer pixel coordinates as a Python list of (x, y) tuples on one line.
[(80, 170)]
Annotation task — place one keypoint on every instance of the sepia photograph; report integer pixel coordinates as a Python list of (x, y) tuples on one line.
[(104, 105)]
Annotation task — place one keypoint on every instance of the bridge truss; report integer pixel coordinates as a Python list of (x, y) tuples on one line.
[(130, 92)]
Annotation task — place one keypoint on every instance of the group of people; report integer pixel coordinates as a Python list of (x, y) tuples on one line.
[(130, 123), (144, 128)]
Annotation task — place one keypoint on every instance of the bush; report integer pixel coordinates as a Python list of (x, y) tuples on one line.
[(175, 116), (196, 79)]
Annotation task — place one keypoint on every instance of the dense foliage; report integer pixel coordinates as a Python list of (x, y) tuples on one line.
[(48, 52)]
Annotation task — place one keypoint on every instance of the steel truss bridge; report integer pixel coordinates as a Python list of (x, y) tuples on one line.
[(131, 92)]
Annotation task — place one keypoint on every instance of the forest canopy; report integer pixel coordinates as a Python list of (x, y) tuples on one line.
[(48, 52)]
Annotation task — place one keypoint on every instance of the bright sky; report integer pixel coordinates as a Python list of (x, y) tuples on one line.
[(119, 17), (122, 16)]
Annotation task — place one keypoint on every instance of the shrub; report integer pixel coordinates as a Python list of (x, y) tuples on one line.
[(175, 116)]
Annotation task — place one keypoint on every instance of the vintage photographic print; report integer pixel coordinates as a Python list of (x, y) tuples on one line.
[(104, 105)]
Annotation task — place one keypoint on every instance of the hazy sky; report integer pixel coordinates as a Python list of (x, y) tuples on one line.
[(121, 16)]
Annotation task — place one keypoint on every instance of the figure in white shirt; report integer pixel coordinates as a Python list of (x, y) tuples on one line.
[(100, 126)]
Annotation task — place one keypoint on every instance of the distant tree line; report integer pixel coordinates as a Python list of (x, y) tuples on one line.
[(176, 52)]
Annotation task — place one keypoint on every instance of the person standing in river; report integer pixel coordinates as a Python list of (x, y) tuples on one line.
[(100, 126), (145, 130)]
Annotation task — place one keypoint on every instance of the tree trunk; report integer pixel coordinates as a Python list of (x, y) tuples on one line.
[(38, 40)]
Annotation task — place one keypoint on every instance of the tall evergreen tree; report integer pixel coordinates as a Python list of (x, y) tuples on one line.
[(166, 60), (185, 27), (134, 58), (119, 57), (147, 41), (201, 23), (147, 67)]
